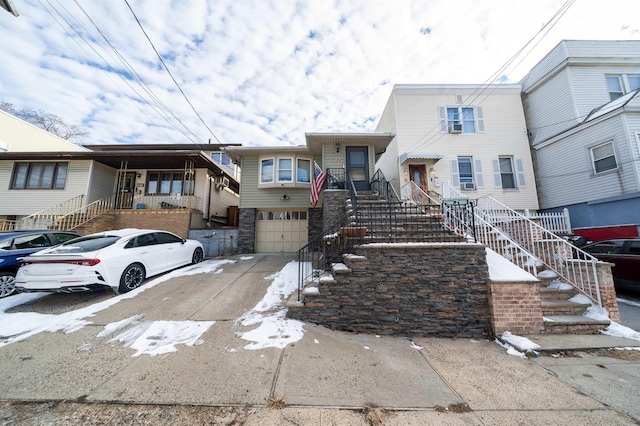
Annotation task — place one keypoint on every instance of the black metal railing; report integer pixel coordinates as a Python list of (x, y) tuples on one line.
[(353, 194), (336, 178), (381, 186), (381, 222)]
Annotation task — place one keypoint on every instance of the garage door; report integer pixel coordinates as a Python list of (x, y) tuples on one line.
[(281, 230)]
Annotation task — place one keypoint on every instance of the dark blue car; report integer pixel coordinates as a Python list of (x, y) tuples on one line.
[(17, 244)]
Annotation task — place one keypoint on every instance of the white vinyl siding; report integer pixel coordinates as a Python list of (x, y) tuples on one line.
[(102, 183), (24, 137)]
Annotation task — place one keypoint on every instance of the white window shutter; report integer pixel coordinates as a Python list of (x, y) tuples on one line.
[(455, 174), (442, 113), (520, 171), (478, 174), (497, 180), (480, 119)]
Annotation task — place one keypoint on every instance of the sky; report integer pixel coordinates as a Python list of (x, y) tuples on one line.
[(265, 72), (265, 325)]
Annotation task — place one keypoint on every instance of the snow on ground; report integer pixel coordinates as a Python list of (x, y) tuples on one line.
[(274, 329), (18, 326), (501, 270)]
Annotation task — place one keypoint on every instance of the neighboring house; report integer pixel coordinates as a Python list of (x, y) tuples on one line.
[(275, 210), (471, 136), (17, 135), (582, 107), (182, 181)]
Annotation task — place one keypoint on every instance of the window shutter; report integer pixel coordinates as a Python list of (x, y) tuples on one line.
[(455, 174), (480, 118), (520, 171), (478, 171), (497, 181), (442, 113)]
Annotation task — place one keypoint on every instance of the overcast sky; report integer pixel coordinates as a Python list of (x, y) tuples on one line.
[(264, 72)]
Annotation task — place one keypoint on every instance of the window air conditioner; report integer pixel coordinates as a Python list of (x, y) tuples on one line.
[(222, 182), (468, 186), (455, 128)]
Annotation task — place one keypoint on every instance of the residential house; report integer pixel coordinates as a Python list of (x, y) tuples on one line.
[(275, 210), (582, 107), (472, 137), (172, 187)]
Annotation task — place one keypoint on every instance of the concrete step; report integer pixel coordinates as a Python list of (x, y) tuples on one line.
[(563, 307), (556, 294), (573, 324)]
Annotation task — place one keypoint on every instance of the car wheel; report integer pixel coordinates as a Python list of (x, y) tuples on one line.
[(197, 256), (131, 278), (8, 284)]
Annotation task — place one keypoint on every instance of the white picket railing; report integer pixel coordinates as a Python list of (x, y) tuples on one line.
[(558, 223), (571, 264), (46, 218)]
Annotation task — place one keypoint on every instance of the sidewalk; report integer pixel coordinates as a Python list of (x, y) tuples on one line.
[(327, 377)]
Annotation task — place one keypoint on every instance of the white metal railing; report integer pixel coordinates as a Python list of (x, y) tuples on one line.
[(411, 191), (8, 225), (558, 223), (172, 201), (46, 218), (84, 214), (572, 265), (449, 192)]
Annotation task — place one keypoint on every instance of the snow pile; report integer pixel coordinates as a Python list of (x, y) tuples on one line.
[(275, 330), (508, 341), (501, 270)]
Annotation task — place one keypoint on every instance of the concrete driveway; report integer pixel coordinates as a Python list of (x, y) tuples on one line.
[(323, 370)]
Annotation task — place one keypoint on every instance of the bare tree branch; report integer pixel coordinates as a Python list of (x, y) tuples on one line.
[(49, 122)]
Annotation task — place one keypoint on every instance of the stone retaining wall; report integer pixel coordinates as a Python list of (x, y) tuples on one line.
[(419, 289)]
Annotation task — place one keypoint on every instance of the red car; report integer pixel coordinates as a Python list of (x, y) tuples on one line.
[(625, 254)]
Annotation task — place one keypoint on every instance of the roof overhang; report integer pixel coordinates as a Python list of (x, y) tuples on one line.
[(9, 7), (408, 156), (147, 160), (380, 141)]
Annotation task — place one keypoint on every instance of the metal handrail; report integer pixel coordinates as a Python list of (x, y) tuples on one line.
[(573, 265), (84, 214), (47, 217), (413, 192), (381, 186)]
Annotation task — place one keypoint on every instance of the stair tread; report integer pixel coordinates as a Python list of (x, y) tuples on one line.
[(557, 303), (572, 319)]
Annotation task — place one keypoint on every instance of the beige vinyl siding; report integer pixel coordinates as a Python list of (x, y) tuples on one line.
[(566, 172), (23, 202), (388, 164), (102, 182), (221, 199), (24, 137), (253, 197), (418, 130)]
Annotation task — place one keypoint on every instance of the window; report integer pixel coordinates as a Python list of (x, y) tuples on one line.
[(465, 170), (614, 86), (170, 183), (39, 176), (507, 177), (618, 85), (166, 238), (266, 170), (303, 173), (285, 169), (221, 158), (461, 119), (603, 157)]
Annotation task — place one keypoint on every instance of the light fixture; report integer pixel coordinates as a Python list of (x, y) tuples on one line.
[(139, 175), (337, 148), (284, 197)]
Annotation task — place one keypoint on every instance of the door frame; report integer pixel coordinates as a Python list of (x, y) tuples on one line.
[(360, 185), (125, 190)]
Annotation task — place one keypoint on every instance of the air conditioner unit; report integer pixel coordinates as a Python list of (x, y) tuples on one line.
[(455, 128), (222, 182), (468, 186)]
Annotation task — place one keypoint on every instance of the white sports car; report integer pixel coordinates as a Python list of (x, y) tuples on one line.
[(120, 260)]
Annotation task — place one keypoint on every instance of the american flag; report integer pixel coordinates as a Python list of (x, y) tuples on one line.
[(317, 184)]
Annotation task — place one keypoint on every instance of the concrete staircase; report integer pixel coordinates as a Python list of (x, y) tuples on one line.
[(561, 315)]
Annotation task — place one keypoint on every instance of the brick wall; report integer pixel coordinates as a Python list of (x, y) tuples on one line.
[(516, 307), (172, 220), (437, 290), (607, 290)]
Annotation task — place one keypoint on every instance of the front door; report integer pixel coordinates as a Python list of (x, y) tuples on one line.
[(418, 175), (126, 190), (358, 167)]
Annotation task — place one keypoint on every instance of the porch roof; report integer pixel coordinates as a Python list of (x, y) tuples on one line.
[(170, 159)]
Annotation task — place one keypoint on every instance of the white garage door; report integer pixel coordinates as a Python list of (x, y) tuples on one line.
[(281, 230)]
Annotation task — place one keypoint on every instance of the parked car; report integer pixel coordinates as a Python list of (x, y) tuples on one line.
[(17, 244), (625, 254), (119, 260)]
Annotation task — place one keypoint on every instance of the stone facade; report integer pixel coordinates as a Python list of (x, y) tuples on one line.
[(247, 231), (333, 206), (315, 223), (421, 289)]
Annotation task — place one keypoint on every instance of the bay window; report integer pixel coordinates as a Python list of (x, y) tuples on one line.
[(286, 170)]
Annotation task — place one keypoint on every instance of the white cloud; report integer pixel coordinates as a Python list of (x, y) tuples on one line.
[(266, 72)]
